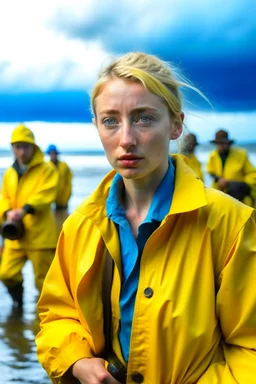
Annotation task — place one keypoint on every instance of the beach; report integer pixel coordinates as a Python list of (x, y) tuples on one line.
[(18, 361)]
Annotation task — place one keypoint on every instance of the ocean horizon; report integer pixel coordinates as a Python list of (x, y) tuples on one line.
[(80, 137), (90, 166)]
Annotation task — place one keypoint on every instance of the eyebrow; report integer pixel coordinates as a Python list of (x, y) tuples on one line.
[(135, 110)]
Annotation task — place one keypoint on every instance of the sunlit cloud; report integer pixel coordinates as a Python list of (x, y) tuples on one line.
[(61, 45), (34, 56)]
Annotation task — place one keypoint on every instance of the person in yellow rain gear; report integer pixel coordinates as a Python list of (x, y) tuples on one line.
[(181, 304), (188, 150), (28, 190), (64, 186), (231, 169)]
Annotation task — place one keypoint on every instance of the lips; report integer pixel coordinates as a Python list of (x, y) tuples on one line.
[(129, 157), (129, 160)]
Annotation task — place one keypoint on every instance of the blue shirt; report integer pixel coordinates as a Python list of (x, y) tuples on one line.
[(131, 248)]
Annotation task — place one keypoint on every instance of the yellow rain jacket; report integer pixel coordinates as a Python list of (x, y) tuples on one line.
[(195, 164), (237, 168), (198, 327), (64, 184), (36, 187)]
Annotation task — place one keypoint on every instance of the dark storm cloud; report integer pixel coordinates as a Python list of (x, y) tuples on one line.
[(212, 41), (185, 27)]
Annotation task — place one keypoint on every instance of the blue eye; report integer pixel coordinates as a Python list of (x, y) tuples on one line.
[(144, 119), (109, 121)]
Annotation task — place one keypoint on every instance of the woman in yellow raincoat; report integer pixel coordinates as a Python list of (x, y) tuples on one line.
[(182, 302)]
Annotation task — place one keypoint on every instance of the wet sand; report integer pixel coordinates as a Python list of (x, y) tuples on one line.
[(18, 361)]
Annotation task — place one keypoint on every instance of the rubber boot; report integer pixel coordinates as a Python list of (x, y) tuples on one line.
[(16, 293)]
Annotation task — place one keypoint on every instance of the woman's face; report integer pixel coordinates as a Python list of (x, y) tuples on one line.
[(135, 128)]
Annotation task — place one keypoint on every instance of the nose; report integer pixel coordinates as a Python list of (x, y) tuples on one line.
[(128, 135), (23, 152)]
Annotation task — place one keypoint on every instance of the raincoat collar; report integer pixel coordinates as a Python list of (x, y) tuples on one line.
[(189, 193), (189, 190)]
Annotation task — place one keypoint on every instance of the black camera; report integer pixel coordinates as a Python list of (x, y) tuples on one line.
[(12, 230)]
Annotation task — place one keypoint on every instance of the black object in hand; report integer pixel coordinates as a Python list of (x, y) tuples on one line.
[(117, 369), (12, 230)]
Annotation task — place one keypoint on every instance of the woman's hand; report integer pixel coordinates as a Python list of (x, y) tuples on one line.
[(92, 371)]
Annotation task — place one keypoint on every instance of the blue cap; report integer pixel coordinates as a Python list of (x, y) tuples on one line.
[(52, 148)]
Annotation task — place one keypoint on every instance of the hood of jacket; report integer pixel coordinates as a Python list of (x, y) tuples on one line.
[(22, 134)]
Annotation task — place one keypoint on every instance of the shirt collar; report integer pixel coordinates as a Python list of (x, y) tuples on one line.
[(161, 202), (113, 203), (162, 199)]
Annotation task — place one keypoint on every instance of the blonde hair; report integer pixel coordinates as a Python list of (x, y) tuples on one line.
[(157, 76)]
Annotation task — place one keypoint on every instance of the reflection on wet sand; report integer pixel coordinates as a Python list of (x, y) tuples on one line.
[(18, 361)]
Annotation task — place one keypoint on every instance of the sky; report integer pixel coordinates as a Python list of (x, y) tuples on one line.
[(51, 51)]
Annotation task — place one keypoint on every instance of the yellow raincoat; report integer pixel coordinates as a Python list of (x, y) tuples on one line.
[(198, 327), (36, 187), (195, 164), (237, 168), (64, 184)]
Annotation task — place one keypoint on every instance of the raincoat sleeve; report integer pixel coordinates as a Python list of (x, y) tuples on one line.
[(5, 202), (236, 310), (68, 189), (65, 189), (249, 173), (46, 190), (211, 167), (63, 339)]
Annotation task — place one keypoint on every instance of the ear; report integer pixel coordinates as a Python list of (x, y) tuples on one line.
[(177, 127)]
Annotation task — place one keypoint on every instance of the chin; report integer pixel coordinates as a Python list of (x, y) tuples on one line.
[(130, 174), (24, 162)]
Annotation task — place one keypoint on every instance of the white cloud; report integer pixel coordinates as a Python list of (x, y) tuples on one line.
[(59, 63), (64, 135), (35, 56), (60, 44), (160, 24)]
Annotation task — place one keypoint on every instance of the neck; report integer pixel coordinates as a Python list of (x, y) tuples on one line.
[(22, 165), (138, 193), (136, 202), (137, 199), (224, 152)]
